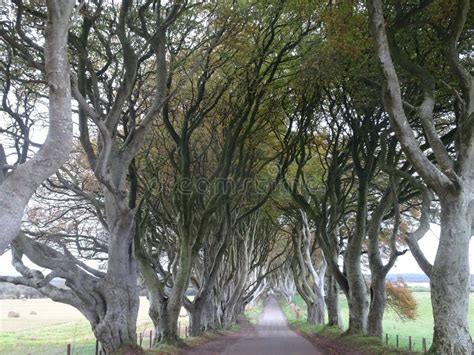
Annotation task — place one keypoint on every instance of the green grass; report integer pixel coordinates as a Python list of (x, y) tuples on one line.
[(52, 340), (422, 327), (49, 339), (54, 325), (368, 344)]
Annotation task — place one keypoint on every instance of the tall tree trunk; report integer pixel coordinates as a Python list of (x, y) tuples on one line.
[(358, 309), (117, 327), (156, 295), (202, 310), (358, 301), (377, 304), (168, 323), (332, 302), (202, 315), (241, 276), (232, 307), (197, 319), (309, 274), (169, 330), (210, 309), (154, 313), (17, 187), (378, 270), (162, 319), (450, 280)]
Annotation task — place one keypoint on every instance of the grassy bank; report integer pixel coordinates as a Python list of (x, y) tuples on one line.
[(419, 328), (360, 343)]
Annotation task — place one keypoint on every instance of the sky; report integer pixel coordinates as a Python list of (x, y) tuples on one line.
[(406, 264)]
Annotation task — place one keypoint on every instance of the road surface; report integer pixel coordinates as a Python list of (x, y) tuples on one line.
[(271, 335)]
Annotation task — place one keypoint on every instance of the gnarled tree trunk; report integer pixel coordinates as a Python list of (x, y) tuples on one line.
[(109, 301), (309, 275)]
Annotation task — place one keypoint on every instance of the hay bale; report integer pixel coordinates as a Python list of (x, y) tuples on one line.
[(13, 314), (33, 313)]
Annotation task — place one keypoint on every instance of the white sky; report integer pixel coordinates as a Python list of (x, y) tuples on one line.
[(406, 264)]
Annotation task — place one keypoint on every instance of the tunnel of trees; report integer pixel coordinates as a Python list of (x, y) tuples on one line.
[(236, 148)]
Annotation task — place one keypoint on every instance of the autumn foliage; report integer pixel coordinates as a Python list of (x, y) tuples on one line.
[(401, 300)]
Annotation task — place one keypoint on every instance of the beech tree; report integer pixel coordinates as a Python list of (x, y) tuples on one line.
[(190, 114), (107, 86), (225, 103), (449, 176), (19, 182), (309, 268), (322, 186), (282, 282)]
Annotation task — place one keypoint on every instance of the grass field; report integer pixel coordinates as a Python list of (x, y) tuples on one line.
[(54, 326), (420, 328)]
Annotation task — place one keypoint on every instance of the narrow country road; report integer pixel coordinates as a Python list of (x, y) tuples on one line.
[(271, 335)]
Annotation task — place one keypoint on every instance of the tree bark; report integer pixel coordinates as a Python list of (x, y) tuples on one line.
[(116, 330), (309, 275), (118, 327), (154, 312), (109, 301), (201, 308), (449, 274), (332, 302), (197, 320), (358, 302), (169, 331), (168, 323), (19, 185), (358, 309), (202, 316), (315, 311), (450, 280), (377, 305), (378, 270)]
